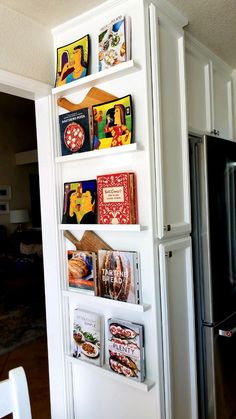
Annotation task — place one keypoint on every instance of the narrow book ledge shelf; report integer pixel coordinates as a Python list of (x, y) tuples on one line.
[(97, 153), (89, 81), (146, 385), (102, 227), (93, 299)]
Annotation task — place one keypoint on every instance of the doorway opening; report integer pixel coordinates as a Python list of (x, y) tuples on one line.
[(22, 299)]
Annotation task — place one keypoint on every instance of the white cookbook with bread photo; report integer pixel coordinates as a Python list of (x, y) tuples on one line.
[(81, 270), (88, 336)]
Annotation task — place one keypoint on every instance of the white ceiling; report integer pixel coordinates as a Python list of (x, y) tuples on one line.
[(212, 22)]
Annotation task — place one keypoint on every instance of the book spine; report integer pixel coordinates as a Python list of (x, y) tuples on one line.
[(137, 280), (132, 192)]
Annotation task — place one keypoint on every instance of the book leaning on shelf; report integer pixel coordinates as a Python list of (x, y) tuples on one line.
[(114, 42), (118, 276), (112, 123), (75, 131), (81, 270), (79, 202), (126, 348), (116, 196), (88, 337)]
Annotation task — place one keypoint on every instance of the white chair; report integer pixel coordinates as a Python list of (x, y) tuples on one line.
[(14, 395)]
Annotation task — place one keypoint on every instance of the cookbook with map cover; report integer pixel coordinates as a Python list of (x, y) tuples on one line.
[(114, 43), (118, 276), (112, 123), (116, 196), (75, 131), (126, 348), (81, 270), (88, 337)]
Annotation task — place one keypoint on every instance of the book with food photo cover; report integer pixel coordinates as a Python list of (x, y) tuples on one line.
[(112, 123), (88, 337), (81, 270), (114, 43), (126, 348), (118, 276), (116, 196), (80, 202), (75, 131)]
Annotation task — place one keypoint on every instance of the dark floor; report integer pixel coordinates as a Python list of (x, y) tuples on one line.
[(33, 357)]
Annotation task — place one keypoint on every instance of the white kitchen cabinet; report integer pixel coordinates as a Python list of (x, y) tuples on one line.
[(178, 329), (209, 91), (87, 391), (170, 128), (155, 77)]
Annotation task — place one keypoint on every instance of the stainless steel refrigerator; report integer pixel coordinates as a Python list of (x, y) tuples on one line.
[(213, 203)]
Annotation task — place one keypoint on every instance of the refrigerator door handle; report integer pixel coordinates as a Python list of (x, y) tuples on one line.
[(227, 333)]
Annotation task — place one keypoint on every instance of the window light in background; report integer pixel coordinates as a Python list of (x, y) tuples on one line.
[(19, 217)]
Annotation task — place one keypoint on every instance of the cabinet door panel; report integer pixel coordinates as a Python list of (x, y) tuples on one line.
[(198, 92), (170, 131), (222, 103), (178, 329)]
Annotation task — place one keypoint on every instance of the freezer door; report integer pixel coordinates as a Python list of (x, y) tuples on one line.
[(213, 190), (220, 370)]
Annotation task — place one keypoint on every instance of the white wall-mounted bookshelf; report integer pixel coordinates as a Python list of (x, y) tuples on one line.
[(145, 386), (97, 153), (91, 300), (100, 77)]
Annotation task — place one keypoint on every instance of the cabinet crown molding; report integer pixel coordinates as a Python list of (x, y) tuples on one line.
[(169, 10), (193, 43)]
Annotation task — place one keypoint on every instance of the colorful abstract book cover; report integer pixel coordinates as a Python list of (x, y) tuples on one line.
[(88, 337), (116, 195), (79, 202), (75, 131), (112, 43), (81, 270), (118, 275), (72, 61), (126, 348), (113, 123)]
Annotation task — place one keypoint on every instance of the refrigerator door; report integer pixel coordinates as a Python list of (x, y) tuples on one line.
[(213, 181), (220, 371)]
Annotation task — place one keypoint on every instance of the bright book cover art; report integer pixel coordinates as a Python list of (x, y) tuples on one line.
[(113, 123), (72, 61), (79, 202), (112, 43), (81, 269)]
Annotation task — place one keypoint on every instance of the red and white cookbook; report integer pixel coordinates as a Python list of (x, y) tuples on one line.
[(116, 194)]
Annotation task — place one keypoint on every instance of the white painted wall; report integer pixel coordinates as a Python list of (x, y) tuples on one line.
[(26, 47)]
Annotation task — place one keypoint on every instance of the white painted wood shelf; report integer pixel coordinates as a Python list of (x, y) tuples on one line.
[(146, 385), (97, 153), (102, 227), (88, 299), (93, 79)]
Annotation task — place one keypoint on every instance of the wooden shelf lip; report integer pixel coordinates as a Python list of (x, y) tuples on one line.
[(93, 299), (146, 385), (90, 80), (97, 153), (102, 227)]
